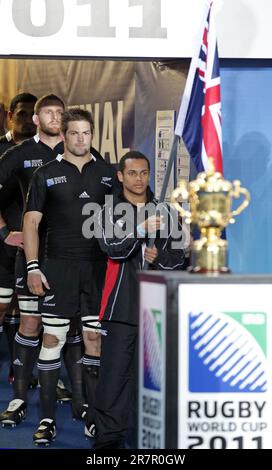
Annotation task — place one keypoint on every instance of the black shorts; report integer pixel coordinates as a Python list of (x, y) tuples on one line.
[(7, 265), (21, 274), (75, 287)]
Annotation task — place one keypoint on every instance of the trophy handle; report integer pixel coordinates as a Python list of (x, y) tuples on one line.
[(237, 192), (182, 191)]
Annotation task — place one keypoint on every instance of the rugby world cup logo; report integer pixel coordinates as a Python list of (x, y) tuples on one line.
[(152, 349), (227, 352)]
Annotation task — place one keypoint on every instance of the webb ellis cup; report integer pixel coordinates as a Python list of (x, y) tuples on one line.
[(210, 198)]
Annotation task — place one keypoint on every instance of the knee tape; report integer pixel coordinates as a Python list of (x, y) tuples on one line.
[(5, 295), (90, 323), (59, 328), (28, 305)]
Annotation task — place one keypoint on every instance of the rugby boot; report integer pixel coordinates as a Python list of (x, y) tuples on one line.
[(46, 432), (79, 410), (89, 431), (14, 414)]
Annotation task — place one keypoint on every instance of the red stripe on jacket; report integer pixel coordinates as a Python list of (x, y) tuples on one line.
[(110, 281)]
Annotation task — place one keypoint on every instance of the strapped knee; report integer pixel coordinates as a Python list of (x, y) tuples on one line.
[(5, 296), (28, 305), (57, 327)]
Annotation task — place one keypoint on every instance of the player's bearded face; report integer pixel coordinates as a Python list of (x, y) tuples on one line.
[(78, 138), (49, 120)]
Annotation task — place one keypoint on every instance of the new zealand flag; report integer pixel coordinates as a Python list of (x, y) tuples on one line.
[(199, 119)]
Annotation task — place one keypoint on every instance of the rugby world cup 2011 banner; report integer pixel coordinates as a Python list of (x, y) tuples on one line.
[(224, 392)]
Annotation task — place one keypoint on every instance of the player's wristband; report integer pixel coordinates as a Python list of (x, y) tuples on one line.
[(32, 265), (4, 233)]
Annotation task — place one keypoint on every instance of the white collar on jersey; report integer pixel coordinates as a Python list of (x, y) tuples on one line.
[(36, 138), (59, 157)]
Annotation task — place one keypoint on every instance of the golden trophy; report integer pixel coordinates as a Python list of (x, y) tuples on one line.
[(210, 198)]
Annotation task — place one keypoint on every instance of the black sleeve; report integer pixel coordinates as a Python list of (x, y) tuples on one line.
[(170, 259), (10, 193), (10, 163), (37, 192), (171, 253)]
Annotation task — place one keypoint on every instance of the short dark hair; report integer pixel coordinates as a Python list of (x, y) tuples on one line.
[(134, 155), (48, 100), (21, 98), (76, 114)]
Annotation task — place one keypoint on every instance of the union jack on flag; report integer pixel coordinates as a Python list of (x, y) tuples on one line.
[(199, 119)]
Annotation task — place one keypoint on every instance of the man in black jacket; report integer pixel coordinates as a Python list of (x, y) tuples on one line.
[(123, 230)]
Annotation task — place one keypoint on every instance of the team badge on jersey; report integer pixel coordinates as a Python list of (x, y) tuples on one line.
[(107, 181)]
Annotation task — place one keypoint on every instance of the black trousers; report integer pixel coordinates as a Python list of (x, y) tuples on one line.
[(115, 393)]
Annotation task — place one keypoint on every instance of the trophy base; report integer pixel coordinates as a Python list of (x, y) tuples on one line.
[(209, 255), (210, 272)]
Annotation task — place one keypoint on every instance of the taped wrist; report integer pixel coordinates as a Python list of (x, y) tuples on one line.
[(32, 265)]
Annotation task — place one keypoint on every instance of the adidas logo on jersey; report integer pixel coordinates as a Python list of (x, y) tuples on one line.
[(84, 195)]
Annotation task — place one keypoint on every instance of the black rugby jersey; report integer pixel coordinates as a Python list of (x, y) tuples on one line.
[(6, 142), (11, 202), (23, 159), (60, 191)]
